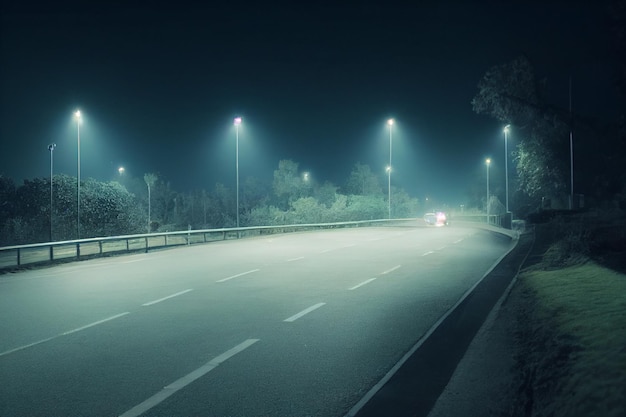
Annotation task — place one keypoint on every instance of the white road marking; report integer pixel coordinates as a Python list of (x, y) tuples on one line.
[(28, 345), (458, 241), (303, 312), (186, 380), (135, 260), (95, 323), (340, 247), (391, 270), (238, 275), (149, 303), (441, 248), (78, 329), (361, 284), (295, 259), (427, 253)]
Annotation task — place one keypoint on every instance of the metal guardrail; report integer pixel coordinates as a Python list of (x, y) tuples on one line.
[(19, 255)]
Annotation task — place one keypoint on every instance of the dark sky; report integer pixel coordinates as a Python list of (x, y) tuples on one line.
[(159, 86)]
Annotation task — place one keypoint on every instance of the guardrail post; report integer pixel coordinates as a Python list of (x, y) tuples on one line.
[(165, 239), (127, 245), (51, 253), (19, 257), (100, 246), (146, 244), (78, 251)]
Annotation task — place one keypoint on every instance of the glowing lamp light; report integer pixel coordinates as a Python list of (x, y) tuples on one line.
[(237, 121), (390, 122)]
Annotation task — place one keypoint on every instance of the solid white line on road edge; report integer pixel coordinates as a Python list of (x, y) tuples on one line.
[(303, 312), (391, 270), (95, 323), (362, 284), (149, 303), (370, 394), (186, 380), (295, 259), (427, 253), (238, 275), (78, 329)]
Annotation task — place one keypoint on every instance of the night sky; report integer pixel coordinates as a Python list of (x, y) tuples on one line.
[(159, 86)]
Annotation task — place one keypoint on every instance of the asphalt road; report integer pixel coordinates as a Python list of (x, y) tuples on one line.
[(301, 324)]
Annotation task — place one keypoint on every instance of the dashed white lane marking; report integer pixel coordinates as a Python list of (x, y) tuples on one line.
[(362, 284), (78, 329), (187, 379), (149, 303), (295, 259), (303, 312), (391, 270), (340, 247), (427, 253), (134, 260), (238, 275), (95, 323), (441, 248), (458, 241)]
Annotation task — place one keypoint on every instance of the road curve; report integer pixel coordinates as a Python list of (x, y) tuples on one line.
[(300, 324)]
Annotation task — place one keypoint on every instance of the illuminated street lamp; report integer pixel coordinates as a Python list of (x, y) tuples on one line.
[(390, 124), (121, 170), (506, 165), (488, 163), (51, 148), (78, 120), (237, 122)]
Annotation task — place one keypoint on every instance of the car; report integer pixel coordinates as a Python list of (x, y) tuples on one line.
[(437, 218)]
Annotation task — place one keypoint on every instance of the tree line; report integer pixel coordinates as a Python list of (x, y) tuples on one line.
[(547, 136), (36, 212)]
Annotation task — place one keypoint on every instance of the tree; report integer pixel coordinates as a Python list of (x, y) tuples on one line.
[(326, 194), (109, 210), (288, 185), (362, 181), (511, 94)]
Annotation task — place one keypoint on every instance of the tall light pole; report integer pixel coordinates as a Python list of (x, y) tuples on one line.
[(506, 165), (237, 122), (488, 163), (390, 124), (51, 149), (78, 120)]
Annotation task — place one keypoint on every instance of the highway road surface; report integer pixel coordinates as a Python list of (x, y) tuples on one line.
[(300, 324)]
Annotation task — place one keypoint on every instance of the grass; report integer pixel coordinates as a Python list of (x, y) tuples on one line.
[(585, 308), (571, 331)]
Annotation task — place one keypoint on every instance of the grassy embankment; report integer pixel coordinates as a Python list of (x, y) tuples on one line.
[(572, 327)]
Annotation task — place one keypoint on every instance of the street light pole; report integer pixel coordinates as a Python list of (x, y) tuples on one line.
[(488, 162), (390, 123), (237, 123), (506, 165), (51, 149), (77, 115)]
